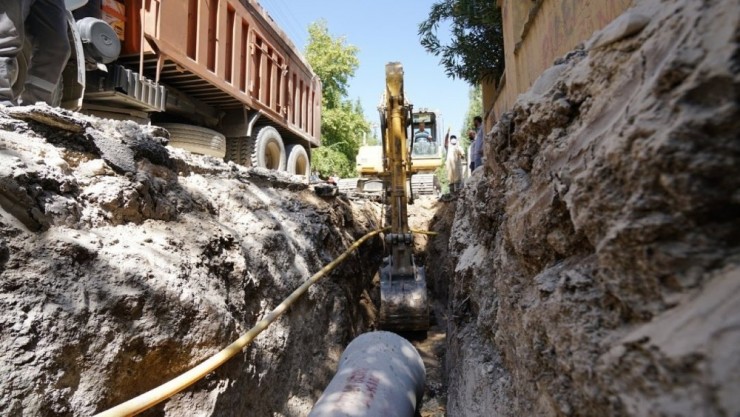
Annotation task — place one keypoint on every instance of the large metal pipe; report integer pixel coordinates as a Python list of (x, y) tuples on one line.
[(380, 375)]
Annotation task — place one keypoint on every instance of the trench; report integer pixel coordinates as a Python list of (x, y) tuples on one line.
[(363, 311), (430, 250), (148, 261), (427, 213)]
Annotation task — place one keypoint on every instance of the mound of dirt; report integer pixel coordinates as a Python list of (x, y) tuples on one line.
[(596, 254), (124, 262)]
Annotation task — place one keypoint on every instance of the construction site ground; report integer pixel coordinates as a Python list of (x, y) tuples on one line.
[(590, 267)]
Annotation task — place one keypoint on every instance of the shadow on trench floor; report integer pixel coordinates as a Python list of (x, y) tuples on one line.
[(431, 214), (432, 347)]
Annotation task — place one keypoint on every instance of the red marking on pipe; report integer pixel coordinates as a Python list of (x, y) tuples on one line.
[(362, 384)]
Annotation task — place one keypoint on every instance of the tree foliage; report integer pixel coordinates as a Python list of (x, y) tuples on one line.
[(342, 128), (343, 122), (441, 173), (475, 51), (332, 60), (327, 161)]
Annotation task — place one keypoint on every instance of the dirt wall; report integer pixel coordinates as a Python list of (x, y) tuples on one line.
[(596, 254), (124, 263)]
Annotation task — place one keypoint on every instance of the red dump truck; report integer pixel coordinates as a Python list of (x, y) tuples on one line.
[(218, 74)]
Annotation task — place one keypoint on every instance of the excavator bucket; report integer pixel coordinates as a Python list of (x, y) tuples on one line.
[(403, 300)]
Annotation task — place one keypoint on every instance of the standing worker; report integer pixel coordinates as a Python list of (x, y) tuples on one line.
[(478, 143), (45, 22), (454, 164), (471, 161)]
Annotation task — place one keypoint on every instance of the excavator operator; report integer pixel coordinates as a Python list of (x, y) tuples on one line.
[(422, 134), (423, 143), (45, 24)]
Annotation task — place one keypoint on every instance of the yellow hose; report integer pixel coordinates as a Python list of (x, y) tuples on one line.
[(168, 389), (424, 232)]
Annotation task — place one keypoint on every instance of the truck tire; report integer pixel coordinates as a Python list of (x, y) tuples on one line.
[(23, 59), (196, 139), (298, 162), (268, 150), (238, 150)]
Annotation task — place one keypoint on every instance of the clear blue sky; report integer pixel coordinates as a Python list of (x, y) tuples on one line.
[(384, 31)]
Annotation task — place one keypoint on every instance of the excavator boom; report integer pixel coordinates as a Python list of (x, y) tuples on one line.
[(403, 296)]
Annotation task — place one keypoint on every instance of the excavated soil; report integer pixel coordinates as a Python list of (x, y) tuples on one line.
[(124, 262), (595, 258)]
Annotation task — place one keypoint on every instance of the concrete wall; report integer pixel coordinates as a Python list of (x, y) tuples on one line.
[(536, 32)]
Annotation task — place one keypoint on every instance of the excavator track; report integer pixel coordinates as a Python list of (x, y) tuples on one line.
[(425, 184)]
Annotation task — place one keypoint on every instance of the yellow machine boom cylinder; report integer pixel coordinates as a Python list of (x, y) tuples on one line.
[(398, 155)]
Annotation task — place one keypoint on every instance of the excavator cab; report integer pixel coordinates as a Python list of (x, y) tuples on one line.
[(426, 137), (403, 296)]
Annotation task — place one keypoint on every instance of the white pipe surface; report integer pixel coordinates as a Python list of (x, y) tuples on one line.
[(380, 375)]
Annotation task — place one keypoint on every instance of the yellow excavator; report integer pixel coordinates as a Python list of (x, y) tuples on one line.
[(403, 293), (425, 142)]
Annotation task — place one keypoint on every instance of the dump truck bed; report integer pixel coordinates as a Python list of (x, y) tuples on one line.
[(226, 54)]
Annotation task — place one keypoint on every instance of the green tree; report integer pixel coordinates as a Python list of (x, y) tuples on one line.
[(475, 51), (327, 160), (333, 60), (373, 140), (441, 174), (343, 123), (342, 127)]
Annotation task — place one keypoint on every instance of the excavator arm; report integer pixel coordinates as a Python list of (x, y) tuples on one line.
[(403, 305)]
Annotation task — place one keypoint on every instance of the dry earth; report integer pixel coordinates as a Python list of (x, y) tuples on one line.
[(124, 262), (595, 257), (592, 267)]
